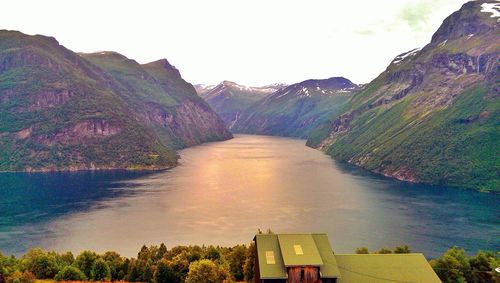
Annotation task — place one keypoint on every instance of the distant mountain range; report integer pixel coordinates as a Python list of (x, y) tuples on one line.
[(278, 109), (65, 111), (433, 115), (230, 99), (297, 109)]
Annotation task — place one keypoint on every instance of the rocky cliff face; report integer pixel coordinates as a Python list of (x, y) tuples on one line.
[(433, 115), (297, 109), (65, 111)]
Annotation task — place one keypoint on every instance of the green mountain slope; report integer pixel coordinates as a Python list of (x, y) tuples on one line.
[(297, 109), (434, 115), (230, 99), (60, 111), (165, 102)]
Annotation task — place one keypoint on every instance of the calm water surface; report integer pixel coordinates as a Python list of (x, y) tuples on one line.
[(223, 192)]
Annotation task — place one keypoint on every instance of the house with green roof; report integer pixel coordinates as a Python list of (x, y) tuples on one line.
[(309, 258)]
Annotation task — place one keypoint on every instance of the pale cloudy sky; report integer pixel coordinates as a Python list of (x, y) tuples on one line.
[(253, 42)]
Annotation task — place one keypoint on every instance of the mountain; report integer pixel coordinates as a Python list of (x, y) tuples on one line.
[(60, 110), (201, 89), (230, 99), (297, 109), (433, 116)]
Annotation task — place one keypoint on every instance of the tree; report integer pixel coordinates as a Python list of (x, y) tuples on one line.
[(70, 273), (41, 264), (164, 273), (452, 267), (194, 256), (213, 254), (483, 268), (85, 262), (203, 271), (362, 250), (162, 250), (67, 258), (148, 253), (133, 274), (140, 270), (148, 274), (237, 259), (21, 277), (402, 250), (180, 265), (251, 256), (100, 271), (9, 265), (384, 251), (116, 265)]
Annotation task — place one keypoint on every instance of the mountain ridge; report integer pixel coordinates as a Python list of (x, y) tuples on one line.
[(297, 109), (432, 115), (61, 111), (230, 99)]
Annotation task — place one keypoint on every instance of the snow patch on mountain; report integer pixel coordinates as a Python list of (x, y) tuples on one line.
[(403, 56), (493, 8)]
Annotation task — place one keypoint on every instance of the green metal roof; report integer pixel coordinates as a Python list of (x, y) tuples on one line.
[(269, 243), (299, 250), (277, 251), (378, 268), (329, 268)]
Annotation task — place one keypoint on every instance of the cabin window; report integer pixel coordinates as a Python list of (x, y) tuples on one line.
[(270, 257), (298, 249)]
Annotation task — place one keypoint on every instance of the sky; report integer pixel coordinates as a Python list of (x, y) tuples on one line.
[(251, 42)]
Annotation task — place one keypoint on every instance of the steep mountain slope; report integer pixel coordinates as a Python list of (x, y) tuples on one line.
[(165, 102), (296, 109), (434, 115), (60, 111), (230, 99)]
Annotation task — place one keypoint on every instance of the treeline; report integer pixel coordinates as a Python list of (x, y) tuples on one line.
[(195, 264)]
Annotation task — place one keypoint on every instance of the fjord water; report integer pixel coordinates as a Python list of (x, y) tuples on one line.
[(223, 192)]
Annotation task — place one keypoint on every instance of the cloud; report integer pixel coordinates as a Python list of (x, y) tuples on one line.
[(416, 15), (365, 31)]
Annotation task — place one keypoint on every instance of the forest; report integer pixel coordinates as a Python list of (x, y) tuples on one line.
[(207, 264)]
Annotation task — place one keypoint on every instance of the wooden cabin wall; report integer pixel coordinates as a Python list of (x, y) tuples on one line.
[(294, 274), (310, 274)]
